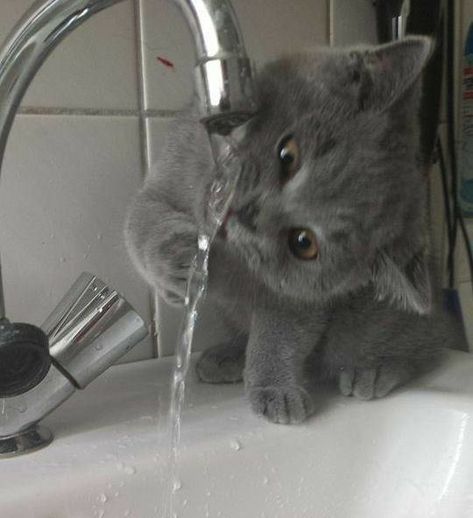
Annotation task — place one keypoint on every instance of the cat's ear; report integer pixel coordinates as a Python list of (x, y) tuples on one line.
[(385, 72), (407, 288)]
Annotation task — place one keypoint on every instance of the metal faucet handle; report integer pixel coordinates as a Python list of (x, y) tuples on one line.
[(91, 327)]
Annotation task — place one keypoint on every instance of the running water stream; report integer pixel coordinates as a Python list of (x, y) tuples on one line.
[(221, 192)]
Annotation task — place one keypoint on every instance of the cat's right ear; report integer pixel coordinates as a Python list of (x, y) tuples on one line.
[(385, 72)]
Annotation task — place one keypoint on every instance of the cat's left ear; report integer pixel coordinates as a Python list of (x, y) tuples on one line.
[(387, 71), (407, 288)]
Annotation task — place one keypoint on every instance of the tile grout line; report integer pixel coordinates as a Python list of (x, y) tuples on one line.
[(329, 23), (144, 151), (140, 86), (97, 112)]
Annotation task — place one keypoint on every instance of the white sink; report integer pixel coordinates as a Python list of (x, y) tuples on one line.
[(408, 455)]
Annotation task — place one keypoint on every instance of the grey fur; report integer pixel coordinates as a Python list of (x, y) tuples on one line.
[(361, 313)]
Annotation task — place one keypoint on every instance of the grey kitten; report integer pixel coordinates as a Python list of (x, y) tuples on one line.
[(319, 270)]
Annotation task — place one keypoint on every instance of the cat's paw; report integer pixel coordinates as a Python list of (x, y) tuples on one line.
[(221, 364), (169, 259), (283, 405), (372, 383)]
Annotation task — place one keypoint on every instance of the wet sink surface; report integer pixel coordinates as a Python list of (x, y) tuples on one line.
[(408, 455)]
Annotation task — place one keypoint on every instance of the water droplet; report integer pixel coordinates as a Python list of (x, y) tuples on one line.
[(103, 498), (235, 444), (176, 485), (126, 513), (129, 470), (52, 235), (101, 513), (117, 493), (203, 241), (98, 346), (99, 237), (62, 259), (184, 502), (265, 480)]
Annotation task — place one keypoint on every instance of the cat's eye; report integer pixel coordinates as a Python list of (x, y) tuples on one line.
[(303, 244), (289, 157)]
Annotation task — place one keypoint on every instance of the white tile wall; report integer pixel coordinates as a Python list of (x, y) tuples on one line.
[(94, 67), (352, 22), (68, 177), (65, 183), (270, 28)]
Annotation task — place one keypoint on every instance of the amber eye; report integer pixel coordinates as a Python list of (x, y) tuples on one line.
[(289, 157), (303, 243)]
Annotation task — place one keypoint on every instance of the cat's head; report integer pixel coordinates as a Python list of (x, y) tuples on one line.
[(330, 198)]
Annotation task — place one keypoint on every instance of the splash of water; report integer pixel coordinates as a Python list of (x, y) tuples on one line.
[(220, 196)]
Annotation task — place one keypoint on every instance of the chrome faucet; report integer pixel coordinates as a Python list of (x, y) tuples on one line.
[(93, 325)]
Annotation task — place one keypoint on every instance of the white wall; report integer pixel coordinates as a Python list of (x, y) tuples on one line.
[(92, 120)]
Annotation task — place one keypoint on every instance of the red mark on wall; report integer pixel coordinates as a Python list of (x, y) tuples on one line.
[(165, 62)]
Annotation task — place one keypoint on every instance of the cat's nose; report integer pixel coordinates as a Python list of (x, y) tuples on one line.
[(247, 215)]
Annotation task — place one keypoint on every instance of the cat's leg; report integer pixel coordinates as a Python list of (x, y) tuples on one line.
[(223, 363), (279, 343)]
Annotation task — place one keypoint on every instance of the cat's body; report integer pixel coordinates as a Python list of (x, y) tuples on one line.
[(348, 298)]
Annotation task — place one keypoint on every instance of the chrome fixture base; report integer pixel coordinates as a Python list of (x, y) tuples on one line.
[(34, 438)]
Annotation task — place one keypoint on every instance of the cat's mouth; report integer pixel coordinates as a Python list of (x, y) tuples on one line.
[(241, 239)]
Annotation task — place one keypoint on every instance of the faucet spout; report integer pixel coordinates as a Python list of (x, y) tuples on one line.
[(223, 73)]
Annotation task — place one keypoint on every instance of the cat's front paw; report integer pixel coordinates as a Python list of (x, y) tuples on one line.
[(284, 405), (222, 364), (366, 384), (168, 260)]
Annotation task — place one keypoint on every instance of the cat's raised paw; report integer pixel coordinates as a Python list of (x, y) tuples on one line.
[(222, 364), (372, 383), (283, 405)]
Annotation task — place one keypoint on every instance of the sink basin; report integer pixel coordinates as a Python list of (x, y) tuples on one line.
[(408, 455)]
